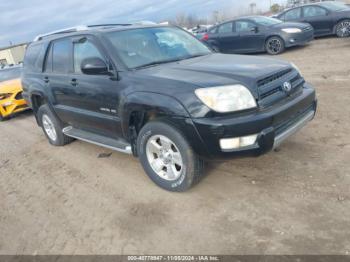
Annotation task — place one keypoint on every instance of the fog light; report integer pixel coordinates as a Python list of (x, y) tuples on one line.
[(292, 40), (237, 142)]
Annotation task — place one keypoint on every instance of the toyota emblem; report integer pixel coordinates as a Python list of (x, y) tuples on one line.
[(287, 87)]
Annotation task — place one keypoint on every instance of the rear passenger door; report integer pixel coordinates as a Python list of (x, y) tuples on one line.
[(58, 66), (227, 38), (293, 15), (319, 19)]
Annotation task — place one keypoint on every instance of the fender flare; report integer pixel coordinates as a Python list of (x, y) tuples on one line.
[(153, 104)]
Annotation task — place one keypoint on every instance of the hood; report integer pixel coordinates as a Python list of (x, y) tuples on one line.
[(10, 86), (219, 69), (291, 25)]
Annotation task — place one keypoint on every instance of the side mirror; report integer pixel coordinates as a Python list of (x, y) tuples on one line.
[(94, 66), (254, 29)]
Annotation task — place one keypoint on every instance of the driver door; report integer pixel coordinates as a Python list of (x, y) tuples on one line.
[(90, 93), (251, 39)]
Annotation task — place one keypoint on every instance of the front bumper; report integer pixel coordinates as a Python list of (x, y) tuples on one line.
[(298, 38), (273, 125), (12, 105)]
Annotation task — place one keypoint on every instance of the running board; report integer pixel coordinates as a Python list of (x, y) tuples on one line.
[(99, 140)]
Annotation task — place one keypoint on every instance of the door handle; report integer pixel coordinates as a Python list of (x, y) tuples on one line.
[(46, 79), (74, 82)]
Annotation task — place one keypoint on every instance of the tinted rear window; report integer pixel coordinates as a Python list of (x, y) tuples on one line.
[(62, 56), (33, 60)]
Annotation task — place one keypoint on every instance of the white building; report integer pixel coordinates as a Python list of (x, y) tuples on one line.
[(12, 54)]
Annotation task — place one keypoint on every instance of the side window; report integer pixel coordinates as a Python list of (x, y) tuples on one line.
[(311, 11), (84, 50), (293, 14), (61, 56), (34, 57), (244, 26), (225, 28)]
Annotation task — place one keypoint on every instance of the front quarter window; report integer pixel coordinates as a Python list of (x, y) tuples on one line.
[(146, 46)]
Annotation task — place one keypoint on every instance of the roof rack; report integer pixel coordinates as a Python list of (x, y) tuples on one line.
[(62, 31), (87, 27), (108, 25)]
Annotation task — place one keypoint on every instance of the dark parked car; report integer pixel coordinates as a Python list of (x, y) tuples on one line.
[(160, 94), (257, 34), (327, 18)]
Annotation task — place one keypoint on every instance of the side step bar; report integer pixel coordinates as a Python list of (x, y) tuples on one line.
[(99, 140)]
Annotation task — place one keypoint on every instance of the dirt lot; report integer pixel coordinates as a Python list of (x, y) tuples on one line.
[(294, 201)]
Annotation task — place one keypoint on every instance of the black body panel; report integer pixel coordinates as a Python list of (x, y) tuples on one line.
[(106, 104)]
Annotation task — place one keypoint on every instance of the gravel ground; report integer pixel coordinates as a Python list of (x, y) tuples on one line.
[(295, 201)]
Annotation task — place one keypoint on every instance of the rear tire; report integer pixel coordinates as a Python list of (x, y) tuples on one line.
[(274, 45), (342, 29), (167, 157), (52, 127), (1, 118)]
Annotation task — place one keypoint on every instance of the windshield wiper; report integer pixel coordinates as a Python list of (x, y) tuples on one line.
[(157, 63), (167, 61)]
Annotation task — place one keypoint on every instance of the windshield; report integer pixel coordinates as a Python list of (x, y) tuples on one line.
[(150, 46), (335, 6), (9, 74), (262, 20)]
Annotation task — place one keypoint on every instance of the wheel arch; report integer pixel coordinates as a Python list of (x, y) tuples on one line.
[(141, 107)]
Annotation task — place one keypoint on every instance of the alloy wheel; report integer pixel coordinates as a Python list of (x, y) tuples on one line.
[(343, 29), (49, 127), (164, 157), (274, 45)]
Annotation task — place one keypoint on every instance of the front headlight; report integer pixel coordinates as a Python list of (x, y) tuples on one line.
[(291, 30), (225, 99)]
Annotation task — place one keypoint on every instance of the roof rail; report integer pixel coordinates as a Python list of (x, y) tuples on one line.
[(108, 25), (62, 31), (87, 27)]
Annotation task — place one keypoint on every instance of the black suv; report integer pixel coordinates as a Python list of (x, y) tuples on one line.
[(160, 94)]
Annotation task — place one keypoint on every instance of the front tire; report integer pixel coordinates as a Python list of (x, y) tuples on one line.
[(275, 45), (167, 158), (342, 29), (52, 127)]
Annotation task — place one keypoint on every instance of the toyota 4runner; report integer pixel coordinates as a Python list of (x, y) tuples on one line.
[(160, 94)]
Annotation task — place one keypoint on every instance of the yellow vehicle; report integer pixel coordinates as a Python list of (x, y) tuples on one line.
[(11, 100)]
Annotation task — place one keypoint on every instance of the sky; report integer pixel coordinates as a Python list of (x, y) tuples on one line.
[(22, 20)]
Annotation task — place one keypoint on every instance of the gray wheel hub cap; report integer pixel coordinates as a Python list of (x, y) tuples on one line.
[(49, 127), (164, 157)]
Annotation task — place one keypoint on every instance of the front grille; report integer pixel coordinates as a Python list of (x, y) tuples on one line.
[(273, 77), (270, 89), (19, 96)]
